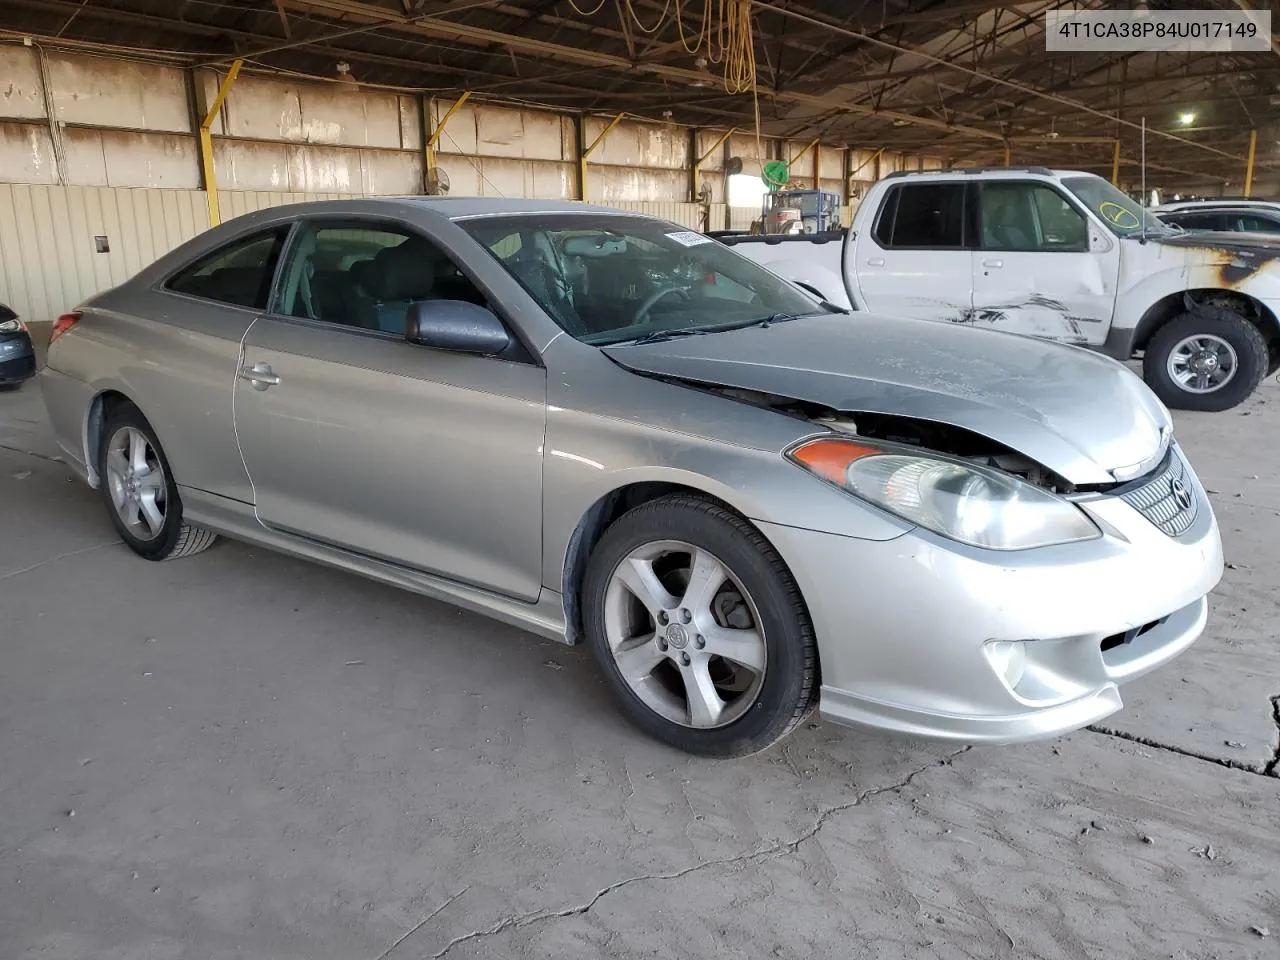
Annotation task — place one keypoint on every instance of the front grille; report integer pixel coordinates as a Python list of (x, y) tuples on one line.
[(1167, 497), (1120, 639)]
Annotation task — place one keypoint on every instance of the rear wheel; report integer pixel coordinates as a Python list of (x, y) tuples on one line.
[(1211, 359), (699, 628), (140, 493)]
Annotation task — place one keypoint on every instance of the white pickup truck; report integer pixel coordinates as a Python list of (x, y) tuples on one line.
[(1057, 254)]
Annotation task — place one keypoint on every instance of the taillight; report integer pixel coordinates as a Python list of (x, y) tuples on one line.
[(62, 325)]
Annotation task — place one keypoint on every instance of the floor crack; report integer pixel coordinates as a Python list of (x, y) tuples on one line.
[(1258, 769), (55, 559), (31, 453), (774, 850), (424, 921)]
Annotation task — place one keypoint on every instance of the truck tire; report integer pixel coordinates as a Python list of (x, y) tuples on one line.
[(1209, 359)]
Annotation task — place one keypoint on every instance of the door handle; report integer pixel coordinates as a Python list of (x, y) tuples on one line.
[(993, 263), (876, 262), (260, 375)]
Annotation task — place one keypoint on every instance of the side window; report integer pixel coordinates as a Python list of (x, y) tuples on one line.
[(1062, 227), (926, 216), (1257, 224), (239, 274), (367, 276), (1030, 217), (1202, 221)]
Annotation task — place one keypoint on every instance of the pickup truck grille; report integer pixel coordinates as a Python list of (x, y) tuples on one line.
[(1167, 497)]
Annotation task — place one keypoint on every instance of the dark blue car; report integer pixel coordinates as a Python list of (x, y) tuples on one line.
[(17, 357)]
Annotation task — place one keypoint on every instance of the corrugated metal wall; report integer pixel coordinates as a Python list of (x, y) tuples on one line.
[(48, 262), (685, 214), (48, 254), (235, 203)]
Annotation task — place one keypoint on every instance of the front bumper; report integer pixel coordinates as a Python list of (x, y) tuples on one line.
[(17, 358), (904, 625)]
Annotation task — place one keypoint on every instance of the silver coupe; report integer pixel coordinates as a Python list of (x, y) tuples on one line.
[(603, 427)]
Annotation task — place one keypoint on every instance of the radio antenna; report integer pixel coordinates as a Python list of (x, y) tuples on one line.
[(1143, 165)]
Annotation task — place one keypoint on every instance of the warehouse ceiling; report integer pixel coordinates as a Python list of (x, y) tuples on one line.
[(961, 79)]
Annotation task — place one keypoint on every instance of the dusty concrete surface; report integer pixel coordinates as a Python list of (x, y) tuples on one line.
[(243, 755)]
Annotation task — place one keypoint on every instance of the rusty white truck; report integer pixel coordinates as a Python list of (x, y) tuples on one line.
[(1058, 254)]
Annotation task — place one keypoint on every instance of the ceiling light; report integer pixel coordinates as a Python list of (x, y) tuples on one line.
[(1186, 119)]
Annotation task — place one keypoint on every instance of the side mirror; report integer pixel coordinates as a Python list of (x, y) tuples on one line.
[(456, 325)]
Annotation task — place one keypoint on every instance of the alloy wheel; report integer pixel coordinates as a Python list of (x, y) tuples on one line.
[(685, 635), (136, 482), (1202, 363)]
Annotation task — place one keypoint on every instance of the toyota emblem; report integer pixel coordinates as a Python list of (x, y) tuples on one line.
[(1181, 495), (677, 636)]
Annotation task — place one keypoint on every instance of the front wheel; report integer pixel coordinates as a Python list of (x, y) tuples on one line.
[(1211, 359), (700, 628), (140, 492)]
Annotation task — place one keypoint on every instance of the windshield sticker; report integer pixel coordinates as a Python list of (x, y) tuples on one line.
[(1122, 218), (687, 238)]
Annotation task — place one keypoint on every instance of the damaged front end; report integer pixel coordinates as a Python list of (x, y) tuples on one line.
[(927, 435)]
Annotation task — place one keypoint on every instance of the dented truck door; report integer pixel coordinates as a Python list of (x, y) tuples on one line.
[(1041, 267)]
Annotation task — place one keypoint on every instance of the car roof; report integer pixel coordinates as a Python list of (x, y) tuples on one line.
[(447, 208), (1213, 204), (456, 208), (990, 173)]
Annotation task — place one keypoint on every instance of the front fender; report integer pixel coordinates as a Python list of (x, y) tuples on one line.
[(1152, 272)]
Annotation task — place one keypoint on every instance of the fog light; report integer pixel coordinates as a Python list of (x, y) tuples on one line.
[(1009, 658)]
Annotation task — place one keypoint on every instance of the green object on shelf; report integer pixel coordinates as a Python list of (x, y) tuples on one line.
[(775, 174)]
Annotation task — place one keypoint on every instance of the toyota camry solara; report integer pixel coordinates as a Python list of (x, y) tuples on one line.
[(602, 427)]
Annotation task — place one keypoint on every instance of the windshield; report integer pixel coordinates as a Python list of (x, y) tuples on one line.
[(607, 278), (1122, 215)]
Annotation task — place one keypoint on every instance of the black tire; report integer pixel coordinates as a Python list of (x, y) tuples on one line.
[(788, 692), (1252, 358), (11, 387), (176, 538)]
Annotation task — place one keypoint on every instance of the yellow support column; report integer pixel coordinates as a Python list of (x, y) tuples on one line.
[(1115, 163), (1248, 170), (589, 150), (206, 143), (811, 145), (433, 133), (697, 164)]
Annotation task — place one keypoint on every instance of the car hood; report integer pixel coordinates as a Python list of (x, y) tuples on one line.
[(1077, 413), (1264, 243)]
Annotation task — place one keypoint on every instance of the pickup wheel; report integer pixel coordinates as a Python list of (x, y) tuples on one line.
[(1210, 359)]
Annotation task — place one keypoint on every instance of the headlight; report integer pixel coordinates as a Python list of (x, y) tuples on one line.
[(12, 326), (962, 501)]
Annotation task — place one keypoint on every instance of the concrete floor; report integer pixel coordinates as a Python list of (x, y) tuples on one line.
[(244, 755)]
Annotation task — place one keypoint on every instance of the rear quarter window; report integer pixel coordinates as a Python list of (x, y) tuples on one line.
[(239, 274)]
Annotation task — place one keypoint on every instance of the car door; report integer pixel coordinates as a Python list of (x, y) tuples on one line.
[(1043, 268), (185, 369), (914, 261), (358, 438)]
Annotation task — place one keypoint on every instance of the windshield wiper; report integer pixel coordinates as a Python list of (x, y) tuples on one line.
[(657, 336)]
